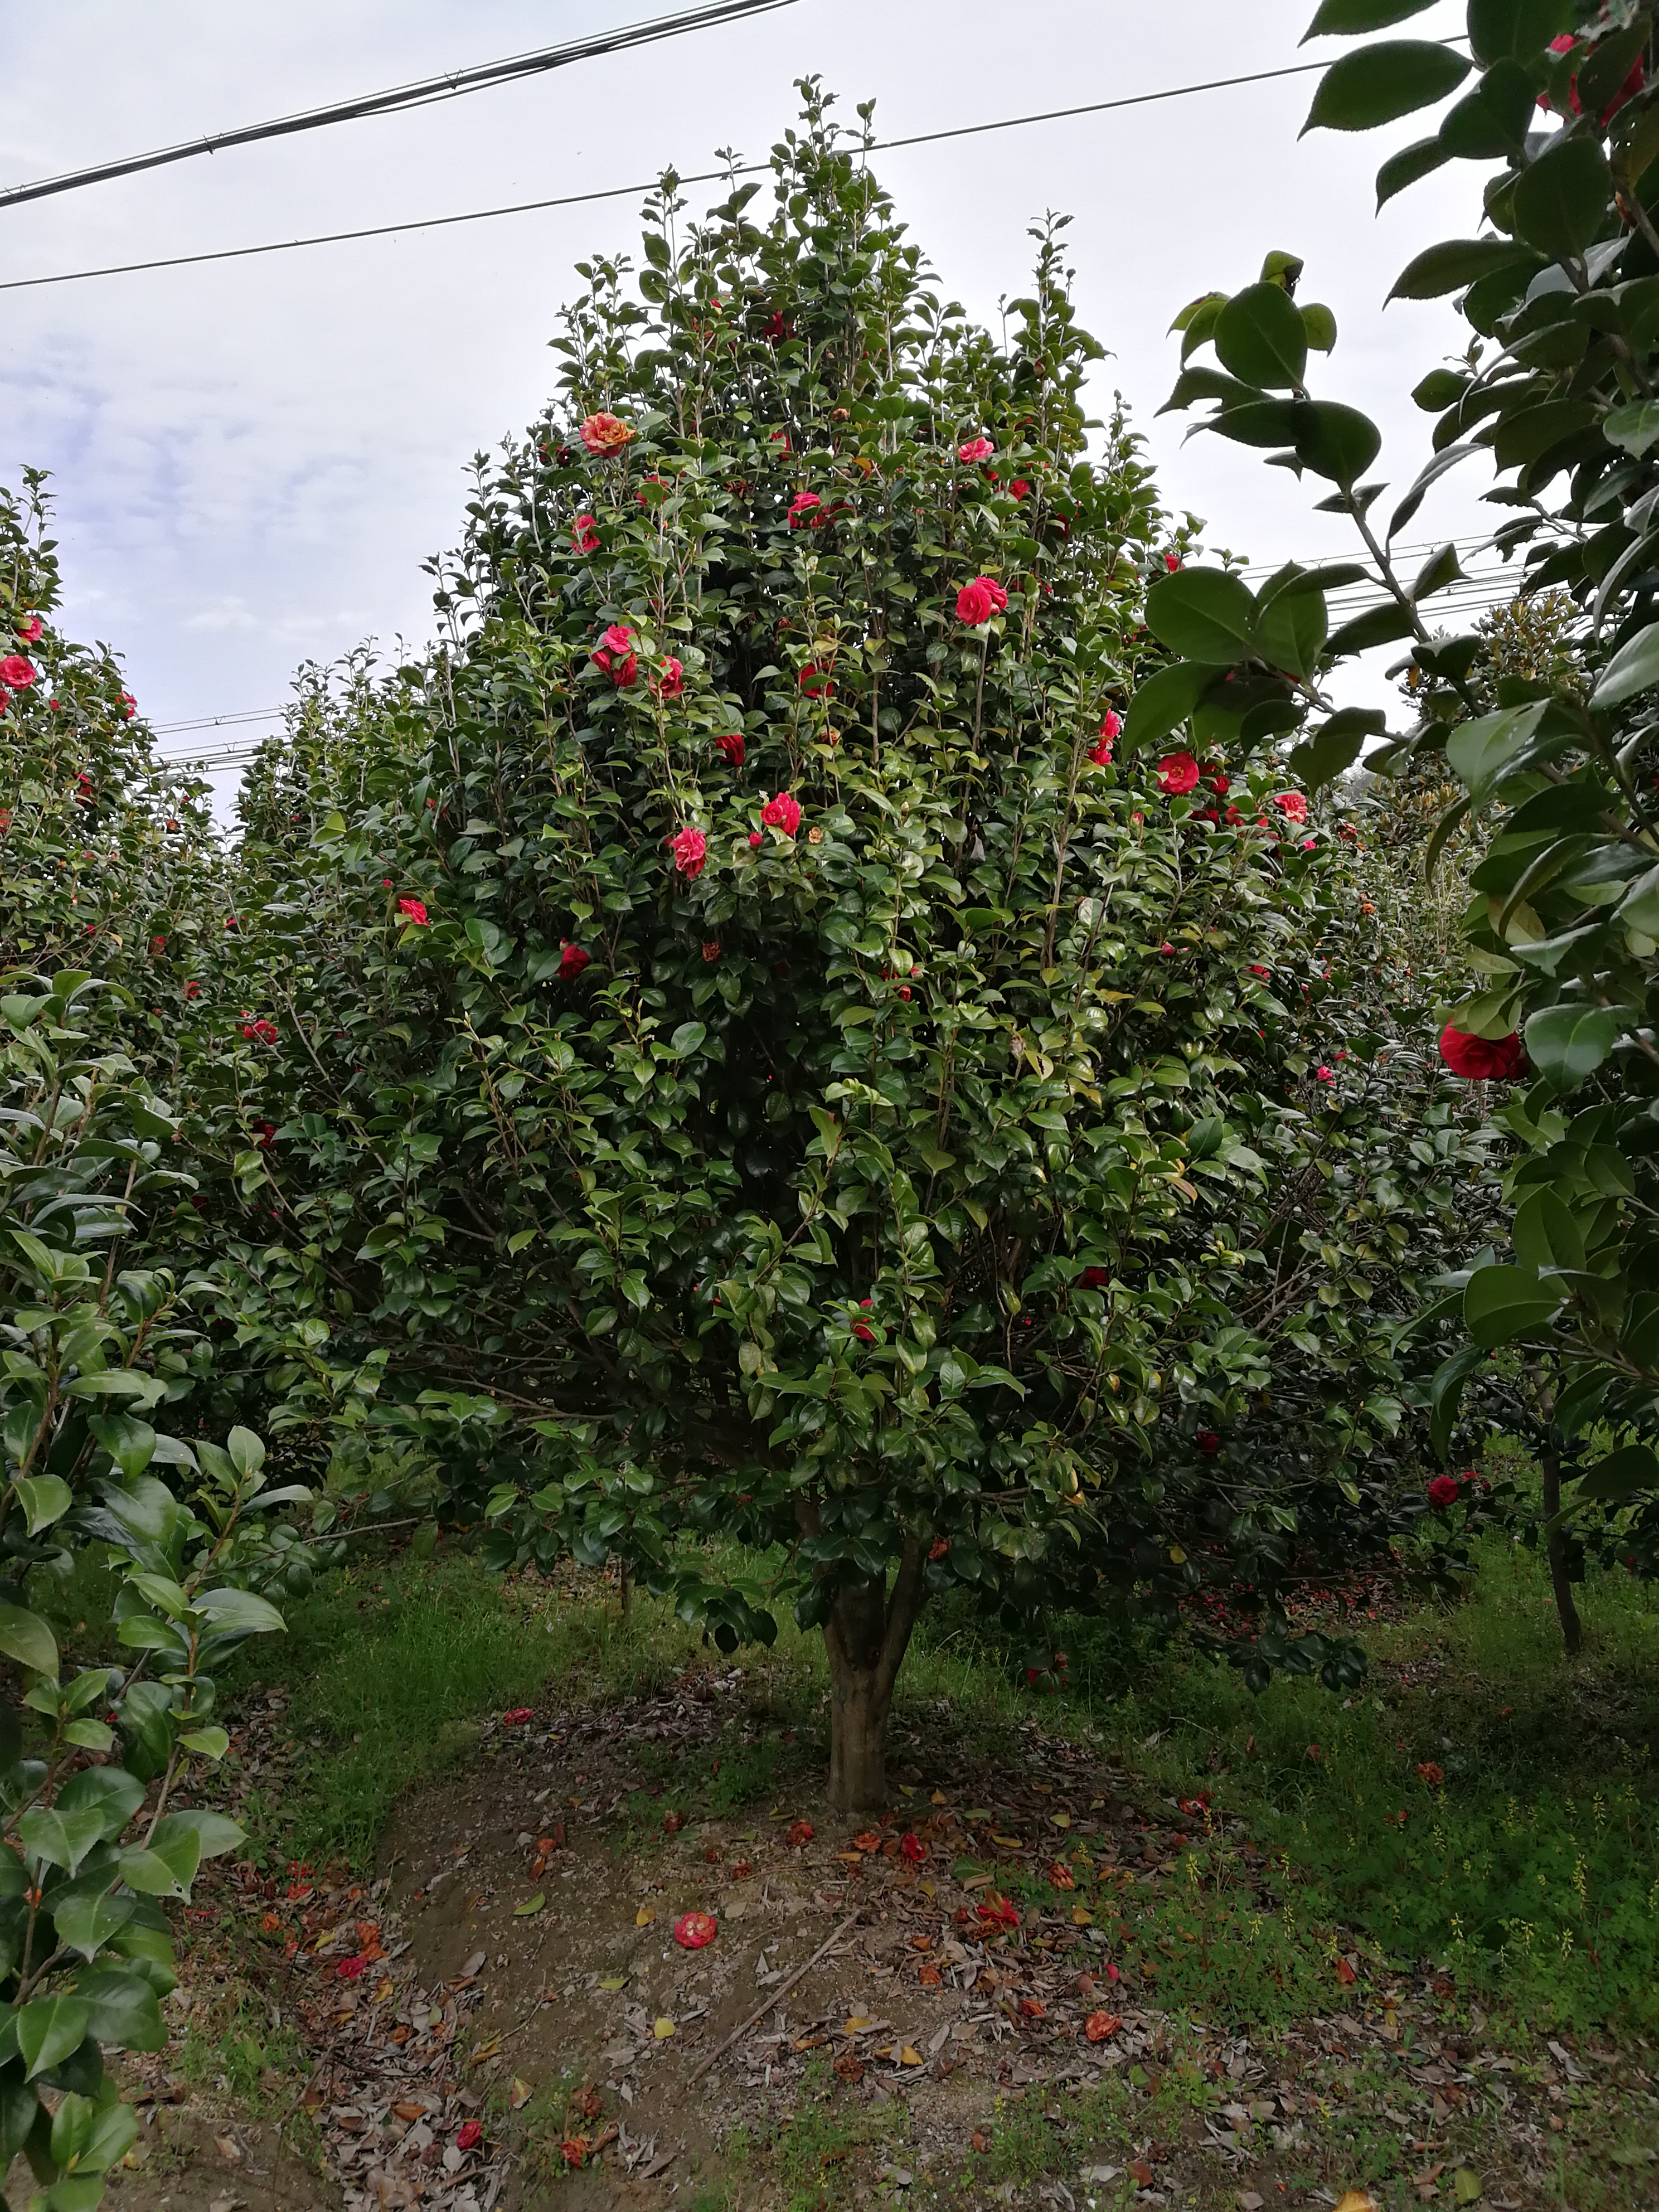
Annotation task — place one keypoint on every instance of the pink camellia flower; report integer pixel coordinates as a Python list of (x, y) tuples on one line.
[(30, 629), (977, 449), (671, 679), (604, 434), (615, 654), (977, 602), (783, 813), (1264, 973), (732, 748), (1178, 773), (1482, 1060), (690, 848), (585, 536), (129, 703), (1443, 1491), (1292, 805), (1324, 1075), (414, 911), (16, 672), (571, 961), (803, 510)]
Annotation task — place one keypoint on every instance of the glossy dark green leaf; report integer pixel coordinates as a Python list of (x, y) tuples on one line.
[(1544, 1232), (1602, 76), (1446, 1393), (1334, 441), (1482, 752), (1204, 614), (1380, 84), (1410, 164), (1164, 700), (1383, 625), (1291, 630), (1261, 338), (1490, 122), (1521, 28), (1331, 749), (1444, 460), (1501, 1303), (1454, 265), (48, 2030), (1564, 198), (1567, 1043), (1349, 19), (1620, 1475), (1439, 570), (1633, 669)]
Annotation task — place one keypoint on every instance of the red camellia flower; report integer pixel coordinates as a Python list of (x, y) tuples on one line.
[(1221, 785), (803, 508), (16, 672), (671, 679), (1482, 1060), (604, 434), (778, 329), (1443, 1491), (732, 748), (1627, 91), (518, 1717), (1176, 773), (690, 848), (1019, 489), (469, 2135), (864, 1333), (1208, 1443), (571, 961), (615, 654), (755, 838), (586, 535), (1264, 973), (414, 911), (1094, 1279), (799, 1835), (911, 1847), (783, 813), (129, 703), (1292, 805), (817, 683), (349, 1969), (30, 629), (1172, 561), (977, 602), (267, 1136), (995, 1912), (158, 944), (1428, 1770), (1324, 1075), (977, 449), (696, 1931), (192, 989)]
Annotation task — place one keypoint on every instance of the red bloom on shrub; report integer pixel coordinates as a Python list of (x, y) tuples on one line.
[(671, 679), (1172, 561), (861, 1330), (803, 508), (16, 672), (192, 989), (129, 703), (1443, 1491), (1627, 91), (1094, 1279), (732, 748), (1292, 805), (1324, 1075), (783, 813), (1208, 1443), (755, 838), (690, 848), (977, 602), (267, 1136), (1176, 773), (571, 961), (586, 535), (604, 434), (816, 681), (413, 910), (1482, 1060), (1428, 1770), (30, 629), (615, 654), (977, 449), (778, 329)]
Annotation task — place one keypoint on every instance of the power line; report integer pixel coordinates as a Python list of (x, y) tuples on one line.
[(631, 191), (423, 94)]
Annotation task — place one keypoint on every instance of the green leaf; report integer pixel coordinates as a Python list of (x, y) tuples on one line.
[(213, 1833), (86, 1923), (1567, 1043), (247, 1451), (1440, 569), (1381, 625), (1331, 749), (59, 1839), (1349, 19), (1204, 614), (48, 2031), (1409, 166), (1164, 700), (1519, 29), (1454, 265), (687, 1038), (122, 2008), (1260, 336), (18, 2109), (43, 1499), (1639, 908), (208, 1742), (1381, 83), (1479, 753), (1489, 123), (116, 1794), (1291, 630), (1446, 1393), (1634, 428), (27, 1639), (1633, 668), (1500, 1302), (1334, 441), (1544, 1232), (1620, 1476), (241, 1610), (162, 1872), (1562, 198)]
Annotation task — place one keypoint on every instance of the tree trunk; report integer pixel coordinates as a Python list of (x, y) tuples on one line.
[(1556, 1551), (866, 1638)]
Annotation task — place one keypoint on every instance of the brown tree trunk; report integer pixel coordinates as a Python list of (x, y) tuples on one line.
[(1556, 1551), (866, 1638)]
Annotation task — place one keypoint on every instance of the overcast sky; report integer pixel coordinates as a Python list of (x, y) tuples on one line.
[(252, 458)]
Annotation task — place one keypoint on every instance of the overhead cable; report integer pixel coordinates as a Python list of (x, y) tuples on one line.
[(423, 94)]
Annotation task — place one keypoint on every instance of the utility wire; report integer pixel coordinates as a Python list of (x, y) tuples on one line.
[(423, 94), (631, 191)]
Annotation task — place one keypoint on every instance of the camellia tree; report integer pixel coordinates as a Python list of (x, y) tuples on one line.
[(1559, 283), (732, 1047)]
